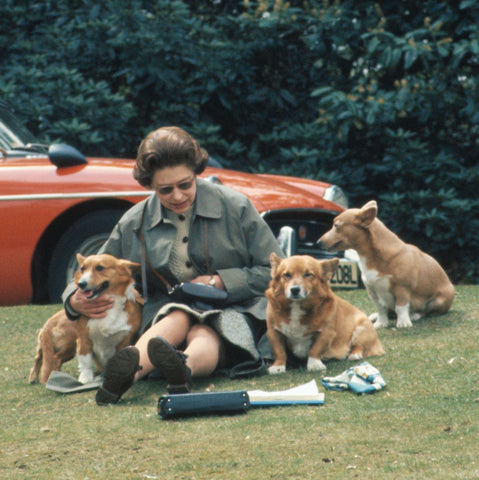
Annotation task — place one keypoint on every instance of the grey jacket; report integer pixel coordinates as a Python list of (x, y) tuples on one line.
[(226, 234)]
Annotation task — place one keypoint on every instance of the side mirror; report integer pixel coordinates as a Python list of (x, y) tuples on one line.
[(62, 155)]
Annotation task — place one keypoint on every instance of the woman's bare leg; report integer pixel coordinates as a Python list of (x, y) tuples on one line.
[(203, 347)]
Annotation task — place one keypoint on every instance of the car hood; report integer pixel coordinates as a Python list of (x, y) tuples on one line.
[(267, 192), (271, 192)]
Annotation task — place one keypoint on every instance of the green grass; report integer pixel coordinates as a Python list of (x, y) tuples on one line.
[(424, 425)]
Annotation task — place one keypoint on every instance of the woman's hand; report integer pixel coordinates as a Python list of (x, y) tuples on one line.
[(207, 280), (94, 308)]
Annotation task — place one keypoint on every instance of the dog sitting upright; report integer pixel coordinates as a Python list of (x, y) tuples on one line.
[(399, 277), (95, 340), (306, 317)]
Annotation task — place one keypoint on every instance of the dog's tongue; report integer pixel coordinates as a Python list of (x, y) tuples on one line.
[(88, 293)]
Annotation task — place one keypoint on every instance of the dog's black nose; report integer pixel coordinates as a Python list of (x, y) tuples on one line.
[(295, 291), (82, 284)]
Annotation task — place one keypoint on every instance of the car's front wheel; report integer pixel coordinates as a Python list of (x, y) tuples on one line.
[(85, 236)]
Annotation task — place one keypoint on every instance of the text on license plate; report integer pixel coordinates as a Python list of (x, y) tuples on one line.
[(345, 276)]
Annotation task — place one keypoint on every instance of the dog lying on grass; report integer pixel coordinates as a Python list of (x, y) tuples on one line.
[(94, 340), (399, 277), (304, 316)]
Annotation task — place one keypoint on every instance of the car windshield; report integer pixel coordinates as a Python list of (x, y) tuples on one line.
[(12, 133)]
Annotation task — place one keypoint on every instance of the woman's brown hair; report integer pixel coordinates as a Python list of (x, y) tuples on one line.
[(168, 147)]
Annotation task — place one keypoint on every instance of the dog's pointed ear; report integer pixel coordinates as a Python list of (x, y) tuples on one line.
[(80, 258), (367, 214), (328, 267), (133, 267), (274, 260)]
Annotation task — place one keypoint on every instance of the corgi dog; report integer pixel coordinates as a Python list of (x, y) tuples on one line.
[(305, 317), (94, 340), (400, 278)]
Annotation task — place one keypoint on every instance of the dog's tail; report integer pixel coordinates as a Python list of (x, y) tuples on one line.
[(365, 338)]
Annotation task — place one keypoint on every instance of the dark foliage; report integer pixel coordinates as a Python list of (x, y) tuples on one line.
[(379, 97)]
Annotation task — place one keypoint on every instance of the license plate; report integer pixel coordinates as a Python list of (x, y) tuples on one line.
[(346, 276)]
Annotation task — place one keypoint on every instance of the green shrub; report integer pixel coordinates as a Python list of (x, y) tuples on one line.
[(379, 98), (397, 120)]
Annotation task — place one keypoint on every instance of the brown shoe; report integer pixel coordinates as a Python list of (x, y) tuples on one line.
[(119, 375), (171, 363)]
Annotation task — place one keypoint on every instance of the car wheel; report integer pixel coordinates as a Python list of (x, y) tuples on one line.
[(85, 236)]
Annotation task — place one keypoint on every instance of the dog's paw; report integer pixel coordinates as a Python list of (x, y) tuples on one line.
[(85, 378), (404, 323), (315, 364), (403, 316), (275, 369)]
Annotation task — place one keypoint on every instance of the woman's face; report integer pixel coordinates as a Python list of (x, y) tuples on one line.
[(175, 187)]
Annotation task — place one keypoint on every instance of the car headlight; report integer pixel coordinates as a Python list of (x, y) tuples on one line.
[(336, 195)]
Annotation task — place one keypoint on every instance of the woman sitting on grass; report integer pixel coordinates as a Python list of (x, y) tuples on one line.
[(189, 230)]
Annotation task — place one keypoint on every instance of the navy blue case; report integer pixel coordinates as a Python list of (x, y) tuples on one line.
[(170, 406)]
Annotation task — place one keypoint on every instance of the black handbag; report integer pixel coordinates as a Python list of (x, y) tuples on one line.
[(206, 295)]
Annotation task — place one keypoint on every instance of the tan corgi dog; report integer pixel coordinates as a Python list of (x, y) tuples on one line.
[(94, 340), (400, 278), (305, 317)]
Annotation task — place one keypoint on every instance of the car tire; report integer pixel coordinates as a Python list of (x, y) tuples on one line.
[(85, 236)]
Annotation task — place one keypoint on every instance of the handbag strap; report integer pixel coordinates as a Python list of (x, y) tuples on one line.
[(144, 256)]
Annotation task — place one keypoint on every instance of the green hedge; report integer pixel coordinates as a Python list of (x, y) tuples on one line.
[(381, 98)]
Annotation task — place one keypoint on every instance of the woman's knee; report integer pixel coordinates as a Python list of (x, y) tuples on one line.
[(174, 327), (176, 318)]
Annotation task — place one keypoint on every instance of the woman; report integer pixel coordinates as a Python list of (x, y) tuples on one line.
[(189, 230)]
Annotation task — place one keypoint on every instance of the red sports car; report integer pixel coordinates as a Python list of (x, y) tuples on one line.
[(54, 202)]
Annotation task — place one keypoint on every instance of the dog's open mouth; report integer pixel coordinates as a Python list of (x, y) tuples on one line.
[(90, 294)]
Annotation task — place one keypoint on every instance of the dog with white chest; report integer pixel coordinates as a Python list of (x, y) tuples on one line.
[(306, 318), (400, 278), (95, 341)]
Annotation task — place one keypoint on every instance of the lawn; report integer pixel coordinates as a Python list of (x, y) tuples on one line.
[(423, 425)]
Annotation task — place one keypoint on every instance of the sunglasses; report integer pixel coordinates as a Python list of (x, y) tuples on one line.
[(186, 185)]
